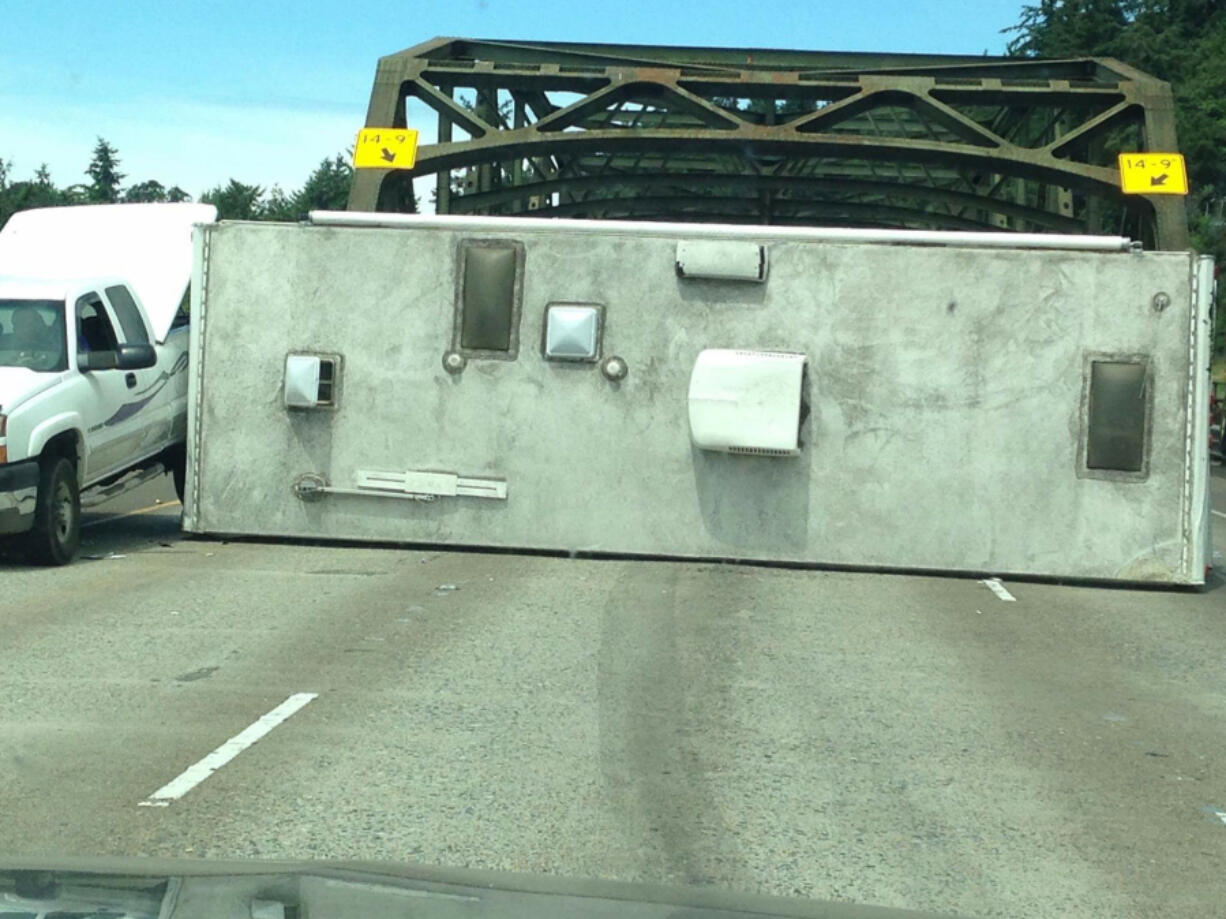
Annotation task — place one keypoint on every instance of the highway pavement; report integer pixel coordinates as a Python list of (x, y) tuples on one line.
[(900, 740)]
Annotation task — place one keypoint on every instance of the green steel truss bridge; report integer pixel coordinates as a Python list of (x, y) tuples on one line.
[(774, 137)]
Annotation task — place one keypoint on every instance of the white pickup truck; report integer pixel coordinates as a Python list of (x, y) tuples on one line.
[(93, 361)]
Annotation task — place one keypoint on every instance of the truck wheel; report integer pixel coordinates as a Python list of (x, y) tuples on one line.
[(57, 514)]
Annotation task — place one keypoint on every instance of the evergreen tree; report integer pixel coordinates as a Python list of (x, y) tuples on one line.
[(327, 188), (147, 191), (104, 173), (236, 201)]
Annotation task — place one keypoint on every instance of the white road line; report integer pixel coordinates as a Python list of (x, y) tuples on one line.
[(1218, 514), (197, 773), (143, 510), (994, 585)]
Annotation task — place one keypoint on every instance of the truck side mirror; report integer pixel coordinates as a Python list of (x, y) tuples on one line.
[(89, 361), (135, 357), (125, 357)]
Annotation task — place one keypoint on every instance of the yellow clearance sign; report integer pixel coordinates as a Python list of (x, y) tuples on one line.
[(1153, 174), (385, 148)]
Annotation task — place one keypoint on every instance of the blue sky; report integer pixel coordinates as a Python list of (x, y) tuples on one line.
[(262, 91)]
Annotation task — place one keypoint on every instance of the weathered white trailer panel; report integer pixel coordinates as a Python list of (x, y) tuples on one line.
[(965, 405)]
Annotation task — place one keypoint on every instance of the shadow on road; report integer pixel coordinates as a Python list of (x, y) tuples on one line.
[(104, 535)]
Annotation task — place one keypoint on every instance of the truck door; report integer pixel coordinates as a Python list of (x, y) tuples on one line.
[(151, 397), (115, 428)]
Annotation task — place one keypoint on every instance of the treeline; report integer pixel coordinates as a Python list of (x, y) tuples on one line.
[(326, 188)]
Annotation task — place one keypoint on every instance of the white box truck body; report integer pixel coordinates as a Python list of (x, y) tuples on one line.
[(980, 403)]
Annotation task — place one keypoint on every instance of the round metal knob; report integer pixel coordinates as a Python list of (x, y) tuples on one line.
[(614, 368)]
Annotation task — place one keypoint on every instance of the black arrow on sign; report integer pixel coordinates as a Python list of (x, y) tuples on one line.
[(1158, 180), (389, 156)]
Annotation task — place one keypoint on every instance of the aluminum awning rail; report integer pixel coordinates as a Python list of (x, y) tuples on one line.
[(989, 240)]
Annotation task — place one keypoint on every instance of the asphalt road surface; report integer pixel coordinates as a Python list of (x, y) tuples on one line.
[(898, 740)]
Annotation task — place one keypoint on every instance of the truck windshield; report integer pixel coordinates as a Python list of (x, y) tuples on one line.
[(32, 335)]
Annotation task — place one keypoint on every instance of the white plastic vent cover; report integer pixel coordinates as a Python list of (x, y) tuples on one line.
[(310, 380), (747, 401), (721, 260)]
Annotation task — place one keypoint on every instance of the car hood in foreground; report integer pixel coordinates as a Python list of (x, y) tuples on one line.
[(256, 889)]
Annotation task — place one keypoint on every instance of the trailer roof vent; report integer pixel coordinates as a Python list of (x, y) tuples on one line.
[(311, 380), (572, 331)]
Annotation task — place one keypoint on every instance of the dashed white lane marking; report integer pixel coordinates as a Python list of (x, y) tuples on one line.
[(144, 510), (197, 773), (1218, 514), (994, 585)]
